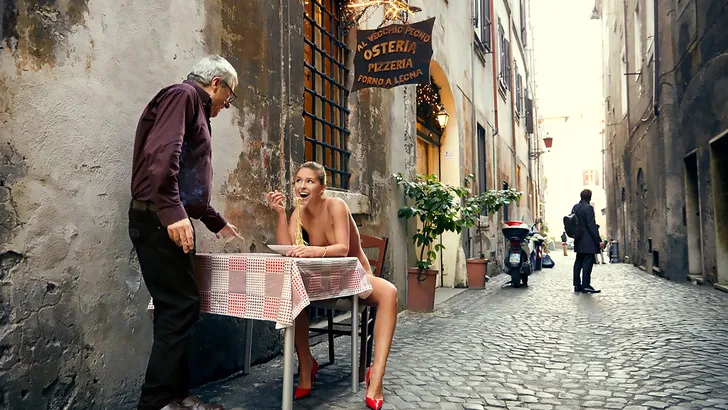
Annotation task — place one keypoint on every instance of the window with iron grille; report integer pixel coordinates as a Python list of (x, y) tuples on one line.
[(325, 96), (483, 23)]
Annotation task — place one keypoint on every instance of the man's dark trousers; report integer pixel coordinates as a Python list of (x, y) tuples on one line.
[(169, 275), (584, 262)]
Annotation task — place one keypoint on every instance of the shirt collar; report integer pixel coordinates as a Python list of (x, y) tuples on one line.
[(204, 95)]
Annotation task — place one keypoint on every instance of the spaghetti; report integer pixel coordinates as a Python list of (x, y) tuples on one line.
[(299, 229)]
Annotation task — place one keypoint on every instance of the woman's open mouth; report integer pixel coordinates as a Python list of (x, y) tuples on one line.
[(304, 195)]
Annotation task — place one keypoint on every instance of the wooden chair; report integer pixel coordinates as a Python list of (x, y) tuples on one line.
[(368, 315)]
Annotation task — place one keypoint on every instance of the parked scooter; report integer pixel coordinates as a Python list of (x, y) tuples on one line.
[(537, 245), (518, 263)]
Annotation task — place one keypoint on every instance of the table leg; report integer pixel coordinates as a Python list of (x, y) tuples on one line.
[(248, 346), (354, 344), (288, 351)]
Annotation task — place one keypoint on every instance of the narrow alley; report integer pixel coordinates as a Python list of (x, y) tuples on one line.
[(643, 343)]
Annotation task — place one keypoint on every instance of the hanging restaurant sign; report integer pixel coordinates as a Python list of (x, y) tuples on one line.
[(394, 55)]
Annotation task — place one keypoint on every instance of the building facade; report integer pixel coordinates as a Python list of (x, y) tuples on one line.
[(74, 78), (665, 134)]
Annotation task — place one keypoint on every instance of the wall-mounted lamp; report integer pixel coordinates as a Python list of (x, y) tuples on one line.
[(442, 118)]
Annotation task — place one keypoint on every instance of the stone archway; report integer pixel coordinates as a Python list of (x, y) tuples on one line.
[(452, 266)]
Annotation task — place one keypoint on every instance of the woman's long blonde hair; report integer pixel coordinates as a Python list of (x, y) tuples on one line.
[(321, 173)]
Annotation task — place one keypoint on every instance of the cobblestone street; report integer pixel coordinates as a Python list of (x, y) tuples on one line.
[(643, 343)]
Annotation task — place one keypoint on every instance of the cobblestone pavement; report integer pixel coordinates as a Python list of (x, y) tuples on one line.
[(643, 343)]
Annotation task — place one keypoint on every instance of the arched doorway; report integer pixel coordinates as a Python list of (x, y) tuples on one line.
[(438, 152), (429, 131)]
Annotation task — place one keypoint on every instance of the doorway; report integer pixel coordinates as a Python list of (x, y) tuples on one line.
[(719, 176), (692, 216), (623, 249), (641, 210), (429, 137)]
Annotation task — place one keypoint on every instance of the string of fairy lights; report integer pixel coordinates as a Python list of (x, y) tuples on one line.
[(394, 10), (428, 99)]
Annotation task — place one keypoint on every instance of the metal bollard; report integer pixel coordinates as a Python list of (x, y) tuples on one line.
[(614, 252)]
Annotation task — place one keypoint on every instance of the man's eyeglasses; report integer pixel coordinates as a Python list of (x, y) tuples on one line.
[(232, 95)]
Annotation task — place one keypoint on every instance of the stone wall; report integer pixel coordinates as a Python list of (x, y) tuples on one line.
[(647, 150), (75, 76)]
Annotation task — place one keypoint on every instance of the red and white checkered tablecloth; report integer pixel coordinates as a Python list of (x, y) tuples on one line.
[(271, 287)]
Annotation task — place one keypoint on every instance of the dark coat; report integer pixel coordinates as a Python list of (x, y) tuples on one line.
[(587, 239)]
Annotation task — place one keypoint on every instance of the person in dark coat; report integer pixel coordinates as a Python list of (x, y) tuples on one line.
[(586, 244)]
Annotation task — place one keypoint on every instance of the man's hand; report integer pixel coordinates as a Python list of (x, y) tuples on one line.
[(182, 234), (228, 231), (277, 201)]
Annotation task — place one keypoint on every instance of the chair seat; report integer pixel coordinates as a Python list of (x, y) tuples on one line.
[(337, 304)]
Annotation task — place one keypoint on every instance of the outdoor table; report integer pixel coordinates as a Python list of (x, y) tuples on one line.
[(274, 288)]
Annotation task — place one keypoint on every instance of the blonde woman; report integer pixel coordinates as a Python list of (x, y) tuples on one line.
[(324, 227)]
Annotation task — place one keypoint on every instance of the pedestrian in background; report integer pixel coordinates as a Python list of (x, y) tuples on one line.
[(602, 247), (586, 243), (171, 182), (564, 244)]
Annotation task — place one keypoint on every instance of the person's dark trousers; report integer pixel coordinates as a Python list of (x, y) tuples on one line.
[(584, 263), (169, 277)]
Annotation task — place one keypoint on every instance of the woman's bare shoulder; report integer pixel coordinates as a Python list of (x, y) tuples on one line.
[(336, 204)]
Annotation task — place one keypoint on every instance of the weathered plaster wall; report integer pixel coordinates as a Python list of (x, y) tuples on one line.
[(689, 44), (76, 75), (75, 332)]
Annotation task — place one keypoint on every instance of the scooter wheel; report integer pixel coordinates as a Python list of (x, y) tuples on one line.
[(515, 277)]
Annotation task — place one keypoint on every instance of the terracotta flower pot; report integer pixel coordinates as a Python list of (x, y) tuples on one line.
[(477, 268), (421, 295)]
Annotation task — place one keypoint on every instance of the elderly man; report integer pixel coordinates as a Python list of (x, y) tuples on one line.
[(171, 183)]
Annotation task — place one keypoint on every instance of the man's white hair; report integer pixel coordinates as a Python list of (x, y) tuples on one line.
[(213, 66)]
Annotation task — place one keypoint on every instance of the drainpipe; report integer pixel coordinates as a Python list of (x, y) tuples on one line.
[(512, 75), (493, 37), (656, 56), (626, 56), (496, 121), (467, 238)]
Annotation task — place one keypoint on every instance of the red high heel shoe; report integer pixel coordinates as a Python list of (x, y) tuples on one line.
[(374, 404), (301, 393)]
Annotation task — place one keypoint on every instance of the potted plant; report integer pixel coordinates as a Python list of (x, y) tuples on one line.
[(439, 208), (487, 203)]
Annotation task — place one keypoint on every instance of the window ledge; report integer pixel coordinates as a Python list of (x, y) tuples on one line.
[(480, 51), (502, 91), (359, 204)]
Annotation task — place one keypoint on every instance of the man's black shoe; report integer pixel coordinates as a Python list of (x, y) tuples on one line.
[(578, 289), (589, 289)]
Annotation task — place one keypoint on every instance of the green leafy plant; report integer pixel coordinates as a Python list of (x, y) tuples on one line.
[(443, 208), (490, 202)]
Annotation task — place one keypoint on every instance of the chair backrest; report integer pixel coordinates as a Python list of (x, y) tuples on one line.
[(369, 242)]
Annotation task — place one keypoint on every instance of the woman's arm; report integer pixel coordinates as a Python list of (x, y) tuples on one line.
[(283, 232), (340, 216)]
